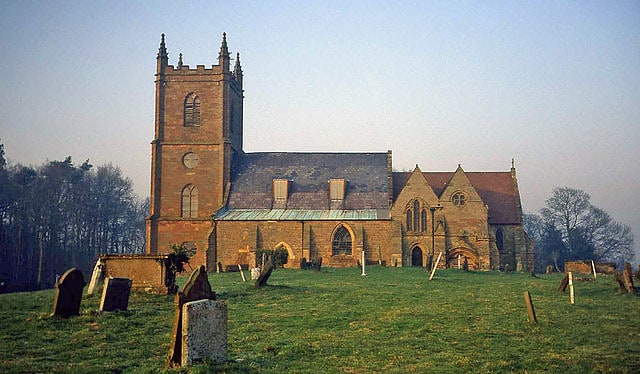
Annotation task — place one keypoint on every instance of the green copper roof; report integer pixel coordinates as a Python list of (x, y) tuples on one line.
[(301, 215)]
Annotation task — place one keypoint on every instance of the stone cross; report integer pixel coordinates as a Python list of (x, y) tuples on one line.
[(68, 293), (197, 288)]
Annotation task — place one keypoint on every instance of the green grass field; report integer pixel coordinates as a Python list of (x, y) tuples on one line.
[(394, 320)]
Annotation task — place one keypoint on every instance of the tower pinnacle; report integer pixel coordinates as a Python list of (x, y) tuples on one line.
[(237, 69)]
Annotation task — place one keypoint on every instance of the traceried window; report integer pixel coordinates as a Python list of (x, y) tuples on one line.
[(459, 199), (189, 201), (416, 217), (341, 243), (191, 110)]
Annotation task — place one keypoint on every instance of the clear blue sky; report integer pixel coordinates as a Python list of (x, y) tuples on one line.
[(554, 85)]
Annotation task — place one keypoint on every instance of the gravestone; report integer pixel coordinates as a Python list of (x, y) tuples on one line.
[(204, 331), (255, 273), (317, 264), (115, 294), (618, 277), (68, 293), (95, 277), (564, 283), (549, 269), (628, 276), (265, 273), (465, 264), (196, 288)]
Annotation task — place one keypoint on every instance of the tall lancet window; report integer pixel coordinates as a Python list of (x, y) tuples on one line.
[(190, 201), (191, 110)]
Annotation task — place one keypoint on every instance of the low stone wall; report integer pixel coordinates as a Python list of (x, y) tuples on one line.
[(148, 272)]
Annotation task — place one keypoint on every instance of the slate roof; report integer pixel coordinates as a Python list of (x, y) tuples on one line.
[(252, 178), (496, 189)]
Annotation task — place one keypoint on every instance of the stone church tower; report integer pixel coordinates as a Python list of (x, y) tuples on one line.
[(198, 130)]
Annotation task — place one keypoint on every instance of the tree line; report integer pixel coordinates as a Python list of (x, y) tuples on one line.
[(60, 215), (570, 228)]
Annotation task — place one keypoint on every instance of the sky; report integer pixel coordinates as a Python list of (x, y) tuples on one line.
[(554, 85)]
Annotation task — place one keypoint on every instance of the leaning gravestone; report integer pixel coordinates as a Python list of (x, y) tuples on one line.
[(115, 295), (95, 277), (68, 293), (267, 269), (204, 331), (197, 288)]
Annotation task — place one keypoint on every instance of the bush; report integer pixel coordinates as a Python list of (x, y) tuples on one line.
[(281, 256)]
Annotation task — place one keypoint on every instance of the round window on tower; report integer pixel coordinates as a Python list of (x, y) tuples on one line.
[(190, 160), (458, 199)]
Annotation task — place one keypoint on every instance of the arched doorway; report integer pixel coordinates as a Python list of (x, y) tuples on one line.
[(470, 255), (416, 256)]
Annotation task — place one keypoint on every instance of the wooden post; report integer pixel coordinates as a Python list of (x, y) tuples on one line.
[(433, 271), (242, 273), (593, 266), (571, 295), (531, 312)]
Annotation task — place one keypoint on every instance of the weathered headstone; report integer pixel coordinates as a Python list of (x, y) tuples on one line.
[(519, 266), (627, 279), (267, 269), (465, 264), (628, 276), (95, 277), (530, 310), (618, 277), (68, 293), (204, 331), (317, 264), (255, 273), (549, 269), (196, 288), (564, 283), (115, 294)]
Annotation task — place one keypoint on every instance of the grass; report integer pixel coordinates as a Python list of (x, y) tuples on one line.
[(394, 320)]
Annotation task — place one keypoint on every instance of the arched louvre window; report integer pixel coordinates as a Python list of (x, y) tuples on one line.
[(341, 244), (416, 215), (191, 110), (189, 201), (423, 220)]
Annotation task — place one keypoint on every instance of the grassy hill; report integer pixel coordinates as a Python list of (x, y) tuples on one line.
[(394, 320)]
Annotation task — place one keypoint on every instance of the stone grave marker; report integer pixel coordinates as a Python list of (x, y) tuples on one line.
[(115, 294), (68, 293), (196, 288), (204, 331), (255, 273), (95, 277), (549, 269), (267, 269), (628, 277), (564, 283)]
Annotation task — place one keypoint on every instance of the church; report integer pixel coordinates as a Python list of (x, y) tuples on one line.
[(224, 204)]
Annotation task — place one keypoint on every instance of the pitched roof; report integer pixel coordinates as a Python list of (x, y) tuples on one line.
[(496, 189), (252, 178)]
